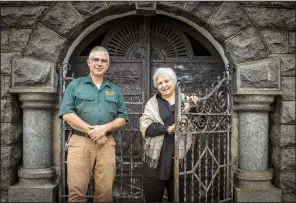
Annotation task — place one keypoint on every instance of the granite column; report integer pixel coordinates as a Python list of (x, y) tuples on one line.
[(253, 175), (36, 174)]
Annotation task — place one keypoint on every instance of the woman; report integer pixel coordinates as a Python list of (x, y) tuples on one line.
[(157, 126)]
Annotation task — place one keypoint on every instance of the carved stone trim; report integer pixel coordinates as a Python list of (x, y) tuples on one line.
[(38, 101), (253, 103), (146, 8), (37, 173)]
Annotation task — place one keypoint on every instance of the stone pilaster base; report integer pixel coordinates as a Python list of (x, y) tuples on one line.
[(255, 186), (35, 185)]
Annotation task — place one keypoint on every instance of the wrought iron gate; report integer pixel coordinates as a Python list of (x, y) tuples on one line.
[(204, 174), (138, 46)]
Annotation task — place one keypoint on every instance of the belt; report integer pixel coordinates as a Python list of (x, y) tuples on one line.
[(76, 132)]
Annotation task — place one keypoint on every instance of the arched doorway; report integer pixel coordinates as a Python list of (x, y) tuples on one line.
[(138, 45)]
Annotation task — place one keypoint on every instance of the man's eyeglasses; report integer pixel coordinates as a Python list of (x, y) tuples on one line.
[(96, 60)]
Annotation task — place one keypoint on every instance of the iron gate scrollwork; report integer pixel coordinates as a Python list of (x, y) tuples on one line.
[(204, 174)]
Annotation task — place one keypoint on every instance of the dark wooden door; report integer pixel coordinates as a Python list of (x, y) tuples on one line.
[(138, 45)]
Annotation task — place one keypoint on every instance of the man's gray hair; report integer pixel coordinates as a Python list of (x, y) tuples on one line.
[(99, 49), (163, 71)]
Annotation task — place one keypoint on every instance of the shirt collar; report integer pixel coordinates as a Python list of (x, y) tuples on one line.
[(87, 79)]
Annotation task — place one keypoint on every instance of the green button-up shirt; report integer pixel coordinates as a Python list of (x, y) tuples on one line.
[(94, 106)]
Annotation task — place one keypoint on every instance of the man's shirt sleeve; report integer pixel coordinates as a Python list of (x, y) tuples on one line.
[(68, 103)]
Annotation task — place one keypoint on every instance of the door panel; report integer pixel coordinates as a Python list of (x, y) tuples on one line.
[(128, 76)]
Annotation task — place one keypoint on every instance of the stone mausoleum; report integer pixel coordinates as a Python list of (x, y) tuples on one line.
[(250, 45)]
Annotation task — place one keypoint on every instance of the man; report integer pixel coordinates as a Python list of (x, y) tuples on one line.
[(94, 108)]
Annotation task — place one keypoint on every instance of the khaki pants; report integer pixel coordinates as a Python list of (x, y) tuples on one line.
[(82, 154)]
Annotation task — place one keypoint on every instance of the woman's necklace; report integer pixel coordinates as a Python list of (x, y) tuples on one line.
[(171, 100)]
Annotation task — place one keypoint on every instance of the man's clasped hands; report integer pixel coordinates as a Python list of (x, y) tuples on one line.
[(98, 133)]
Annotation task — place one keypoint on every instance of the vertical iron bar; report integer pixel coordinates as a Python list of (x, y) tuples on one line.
[(63, 71), (219, 137), (192, 176), (177, 135), (131, 167), (146, 59), (206, 168), (63, 83), (61, 178), (228, 111), (229, 72), (213, 148), (145, 36), (199, 168), (142, 191), (121, 164), (228, 137), (224, 174), (228, 161), (227, 134), (185, 170)]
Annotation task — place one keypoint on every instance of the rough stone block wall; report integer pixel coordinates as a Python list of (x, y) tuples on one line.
[(276, 23), (17, 21)]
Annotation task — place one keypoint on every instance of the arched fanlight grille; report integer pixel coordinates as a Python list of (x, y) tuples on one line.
[(169, 41), (123, 39)]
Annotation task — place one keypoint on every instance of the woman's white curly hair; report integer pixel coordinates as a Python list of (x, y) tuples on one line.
[(164, 71)]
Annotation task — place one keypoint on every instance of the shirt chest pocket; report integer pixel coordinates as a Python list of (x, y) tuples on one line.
[(111, 104), (85, 103)]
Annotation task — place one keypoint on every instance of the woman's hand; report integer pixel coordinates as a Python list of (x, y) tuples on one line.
[(192, 100), (171, 129)]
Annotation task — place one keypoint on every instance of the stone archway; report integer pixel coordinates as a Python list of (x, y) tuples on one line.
[(34, 75), (63, 23)]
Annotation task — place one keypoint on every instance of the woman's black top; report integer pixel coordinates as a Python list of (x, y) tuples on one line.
[(165, 164)]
